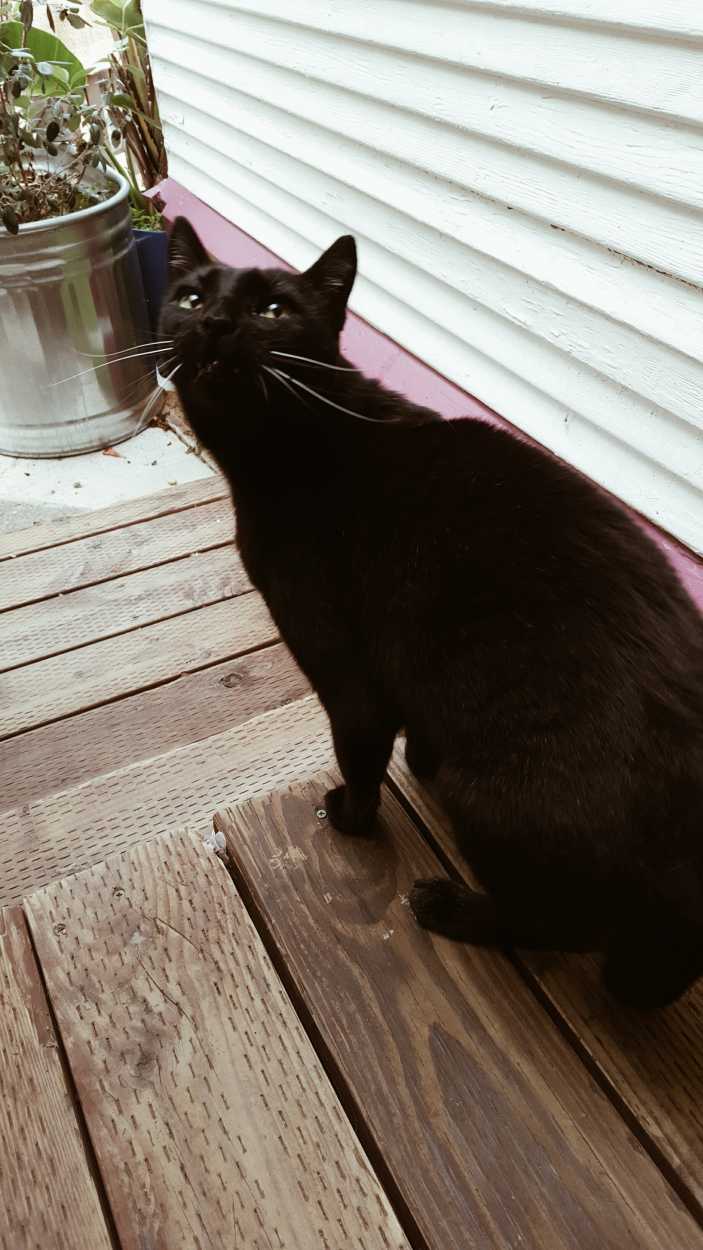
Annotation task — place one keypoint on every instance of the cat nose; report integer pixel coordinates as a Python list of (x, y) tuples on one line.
[(216, 324)]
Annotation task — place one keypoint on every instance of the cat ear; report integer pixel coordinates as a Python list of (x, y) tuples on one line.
[(334, 273), (185, 251)]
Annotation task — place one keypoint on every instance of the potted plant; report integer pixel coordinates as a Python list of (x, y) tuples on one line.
[(129, 98), (73, 319)]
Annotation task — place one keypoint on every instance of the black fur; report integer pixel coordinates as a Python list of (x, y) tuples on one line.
[(449, 578)]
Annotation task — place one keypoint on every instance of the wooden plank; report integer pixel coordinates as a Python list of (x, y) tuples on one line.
[(184, 710), (653, 1063), (44, 841), (48, 1196), (68, 683), (65, 529), (211, 1116), (490, 1126), (86, 561), (41, 630)]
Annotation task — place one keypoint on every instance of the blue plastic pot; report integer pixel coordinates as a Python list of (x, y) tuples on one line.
[(152, 250)]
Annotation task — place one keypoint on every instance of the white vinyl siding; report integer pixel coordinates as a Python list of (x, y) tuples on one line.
[(525, 180)]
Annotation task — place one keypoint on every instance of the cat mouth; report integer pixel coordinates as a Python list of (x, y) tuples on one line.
[(213, 368)]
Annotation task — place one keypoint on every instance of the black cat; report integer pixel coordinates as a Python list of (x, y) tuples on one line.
[(449, 578)]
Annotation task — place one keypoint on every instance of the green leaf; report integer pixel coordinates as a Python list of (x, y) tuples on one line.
[(65, 70), (122, 15), (121, 101)]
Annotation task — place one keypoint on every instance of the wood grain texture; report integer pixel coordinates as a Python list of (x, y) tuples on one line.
[(184, 710), (65, 529), (41, 842), (86, 561), (88, 676), (66, 621), (48, 1199), (490, 1126), (212, 1119), (653, 1062)]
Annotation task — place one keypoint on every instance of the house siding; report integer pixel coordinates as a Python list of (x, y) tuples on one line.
[(525, 181)]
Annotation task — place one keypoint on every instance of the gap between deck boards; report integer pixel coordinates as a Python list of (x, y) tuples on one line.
[(571, 992), (312, 943)]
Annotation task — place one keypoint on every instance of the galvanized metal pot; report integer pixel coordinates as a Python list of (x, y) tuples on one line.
[(71, 296)]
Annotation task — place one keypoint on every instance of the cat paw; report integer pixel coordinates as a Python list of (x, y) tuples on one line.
[(454, 910), (354, 821), (428, 900)]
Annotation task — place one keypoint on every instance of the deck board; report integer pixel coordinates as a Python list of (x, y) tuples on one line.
[(653, 1062), (186, 709), (76, 680), (492, 1129), (68, 621), (43, 841), (83, 524), (85, 561), (48, 1198), (212, 1119), (142, 700)]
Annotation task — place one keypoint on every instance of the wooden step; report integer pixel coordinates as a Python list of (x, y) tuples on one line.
[(115, 667), (65, 622), (186, 709), (46, 840), (651, 1062), (80, 525), (48, 1197), (212, 1119), (128, 549), (494, 1134)]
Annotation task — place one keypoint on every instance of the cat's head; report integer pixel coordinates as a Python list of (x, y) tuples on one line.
[(228, 324)]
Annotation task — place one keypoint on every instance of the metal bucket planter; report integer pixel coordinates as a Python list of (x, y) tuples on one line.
[(71, 296)]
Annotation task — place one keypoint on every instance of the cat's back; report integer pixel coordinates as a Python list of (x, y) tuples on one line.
[(488, 508)]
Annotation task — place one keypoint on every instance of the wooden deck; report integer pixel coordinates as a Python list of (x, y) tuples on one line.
[(240, 1039)]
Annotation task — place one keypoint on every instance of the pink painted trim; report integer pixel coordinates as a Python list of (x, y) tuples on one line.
[(377, 355)]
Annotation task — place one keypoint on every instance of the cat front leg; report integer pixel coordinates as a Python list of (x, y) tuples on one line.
[(363, 733)]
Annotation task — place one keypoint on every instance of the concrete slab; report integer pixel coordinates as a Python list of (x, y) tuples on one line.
[(36, 490)]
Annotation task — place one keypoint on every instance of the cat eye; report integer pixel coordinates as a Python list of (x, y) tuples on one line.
[(190, 301), (272, 311)]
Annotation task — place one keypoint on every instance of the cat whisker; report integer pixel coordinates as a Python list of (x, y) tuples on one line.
[(320, 364), (123, 350), (149, 405), (264, 387), (154, 394), (164, 379), (159, 351), (285, 381), (161, 367), (330, 402), (133, 388)]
